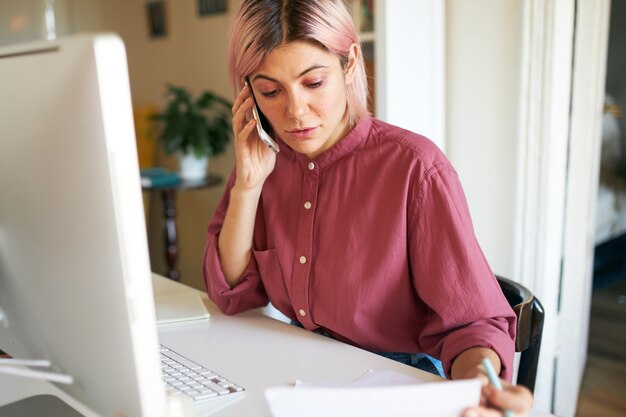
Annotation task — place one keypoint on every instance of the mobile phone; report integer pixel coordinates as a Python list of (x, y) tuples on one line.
[(261, 123)]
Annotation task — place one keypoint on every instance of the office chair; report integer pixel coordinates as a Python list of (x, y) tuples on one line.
[(529, 312)]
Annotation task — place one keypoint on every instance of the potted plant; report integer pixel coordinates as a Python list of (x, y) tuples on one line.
[(194, 129)]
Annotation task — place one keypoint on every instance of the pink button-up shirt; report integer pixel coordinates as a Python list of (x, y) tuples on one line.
[(372, 241)]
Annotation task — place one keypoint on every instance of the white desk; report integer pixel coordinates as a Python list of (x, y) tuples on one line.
[(250, 349)]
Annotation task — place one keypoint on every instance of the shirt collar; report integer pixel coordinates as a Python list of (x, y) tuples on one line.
[(340, 149)]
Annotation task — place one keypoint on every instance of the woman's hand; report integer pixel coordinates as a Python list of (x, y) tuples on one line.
[(516, 399), (254, 160)]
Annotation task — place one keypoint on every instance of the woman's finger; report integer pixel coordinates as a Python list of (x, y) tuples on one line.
[(515, 398), (239, 118), (243, 94), (243, 137), (240, 108), (482, 412)]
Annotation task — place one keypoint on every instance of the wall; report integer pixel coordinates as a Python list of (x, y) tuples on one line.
[(483, 57), (192, 55)]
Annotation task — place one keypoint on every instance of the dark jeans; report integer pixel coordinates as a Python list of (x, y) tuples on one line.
[(416, 360), (420, 361)]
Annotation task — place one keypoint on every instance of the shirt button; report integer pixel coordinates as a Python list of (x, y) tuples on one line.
[(311, 166), (302, 312), (303, 259), (307, 205)]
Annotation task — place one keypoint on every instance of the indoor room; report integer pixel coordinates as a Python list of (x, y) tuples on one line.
[(524, 98)]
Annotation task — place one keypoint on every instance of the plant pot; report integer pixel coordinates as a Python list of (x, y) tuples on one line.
[(192, 167)]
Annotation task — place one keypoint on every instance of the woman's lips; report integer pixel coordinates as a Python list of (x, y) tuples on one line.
[(302, 133)]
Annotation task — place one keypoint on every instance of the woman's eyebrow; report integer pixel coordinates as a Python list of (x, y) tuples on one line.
[(311, 68)]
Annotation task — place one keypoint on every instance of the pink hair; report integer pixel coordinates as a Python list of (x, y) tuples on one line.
[(262, 25)]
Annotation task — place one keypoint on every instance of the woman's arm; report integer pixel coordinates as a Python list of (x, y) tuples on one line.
[(469, 363), (254, 163), (235, 239)]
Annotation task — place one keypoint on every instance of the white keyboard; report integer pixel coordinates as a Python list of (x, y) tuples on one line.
[(193, 380)]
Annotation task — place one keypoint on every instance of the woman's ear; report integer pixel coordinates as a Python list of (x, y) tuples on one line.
[(353, 56)]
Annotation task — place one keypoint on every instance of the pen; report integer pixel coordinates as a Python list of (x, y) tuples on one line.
[(495, 381)]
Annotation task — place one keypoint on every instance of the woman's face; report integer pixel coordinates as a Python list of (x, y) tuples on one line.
[(301, 89)]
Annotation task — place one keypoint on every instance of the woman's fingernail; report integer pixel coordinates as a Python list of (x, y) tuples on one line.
[(470, 413)]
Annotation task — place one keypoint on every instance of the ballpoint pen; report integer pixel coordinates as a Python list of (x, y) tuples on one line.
[(495, 381)]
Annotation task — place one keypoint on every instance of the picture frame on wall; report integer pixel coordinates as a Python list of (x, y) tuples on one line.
[(157, 21), (212, 7)]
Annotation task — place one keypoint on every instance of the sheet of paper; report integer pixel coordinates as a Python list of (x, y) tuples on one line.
[(371, 378), (432, 399)]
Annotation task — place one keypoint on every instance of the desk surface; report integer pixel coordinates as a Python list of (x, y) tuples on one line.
[(250, 349)]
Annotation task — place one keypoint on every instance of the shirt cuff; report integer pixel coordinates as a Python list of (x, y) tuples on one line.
[(486, 334), (247, 294)]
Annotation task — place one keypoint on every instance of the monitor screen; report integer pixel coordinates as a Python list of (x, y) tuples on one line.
[(75, 280)]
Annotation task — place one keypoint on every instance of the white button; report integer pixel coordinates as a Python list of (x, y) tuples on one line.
[(303, 259), (311, 166), (302, 312), (307, 205)]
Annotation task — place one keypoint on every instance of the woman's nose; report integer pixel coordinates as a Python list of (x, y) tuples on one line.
[(298, 106)]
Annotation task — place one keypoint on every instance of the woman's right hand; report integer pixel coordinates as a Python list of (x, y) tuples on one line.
[(255, 161)]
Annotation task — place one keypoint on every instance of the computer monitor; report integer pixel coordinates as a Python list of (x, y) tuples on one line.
[(75, 280)]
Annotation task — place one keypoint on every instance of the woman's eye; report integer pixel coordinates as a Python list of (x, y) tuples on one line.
[(315, 84), (269, 93)]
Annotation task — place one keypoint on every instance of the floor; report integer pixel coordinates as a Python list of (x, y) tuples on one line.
[(603, 391)]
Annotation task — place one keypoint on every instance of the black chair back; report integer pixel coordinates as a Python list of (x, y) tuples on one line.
[(530, 316)]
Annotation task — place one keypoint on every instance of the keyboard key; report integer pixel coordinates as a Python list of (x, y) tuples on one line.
[(205, 395), (182, 360), (216, 388)]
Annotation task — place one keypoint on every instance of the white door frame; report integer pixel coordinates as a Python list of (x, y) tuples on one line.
[(559, 139), (588, 91), (542, 162)]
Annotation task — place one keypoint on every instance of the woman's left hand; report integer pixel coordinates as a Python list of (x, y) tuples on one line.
[(517, 399)]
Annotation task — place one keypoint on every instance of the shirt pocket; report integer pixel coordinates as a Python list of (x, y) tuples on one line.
[(271, 275)]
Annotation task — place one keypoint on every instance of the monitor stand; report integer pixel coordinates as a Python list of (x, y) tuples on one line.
[(39, 405)]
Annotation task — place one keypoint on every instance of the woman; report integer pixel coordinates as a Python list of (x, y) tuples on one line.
[(356, 229)]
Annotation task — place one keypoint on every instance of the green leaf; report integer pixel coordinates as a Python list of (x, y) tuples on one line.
[(202, 126)]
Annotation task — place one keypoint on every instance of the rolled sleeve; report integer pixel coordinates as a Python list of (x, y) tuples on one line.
[(465, 303), (488, 333), (247, 294)]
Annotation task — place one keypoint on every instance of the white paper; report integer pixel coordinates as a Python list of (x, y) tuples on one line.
[(360, 399), (370, 378)]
